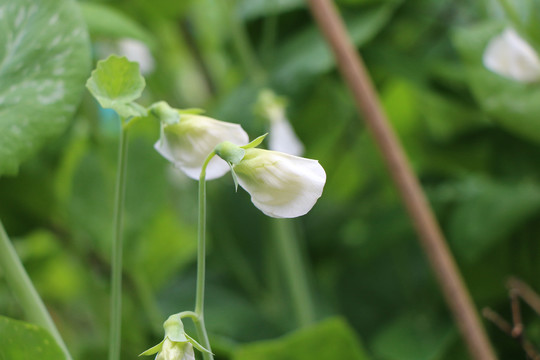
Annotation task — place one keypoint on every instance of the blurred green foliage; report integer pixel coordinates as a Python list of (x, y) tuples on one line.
[(471, 135)]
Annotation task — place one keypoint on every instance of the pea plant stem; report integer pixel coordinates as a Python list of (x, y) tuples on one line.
[(430, 235), (23, 288), (201, 264), (294, 271), (115, 334)]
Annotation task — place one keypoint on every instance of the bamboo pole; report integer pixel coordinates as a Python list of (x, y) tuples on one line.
[(430, 236)]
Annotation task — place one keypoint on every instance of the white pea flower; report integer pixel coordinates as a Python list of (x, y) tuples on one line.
[(281, 136), (177, 345), (187, 139), (136, 50), (280, 185), (509, 55)]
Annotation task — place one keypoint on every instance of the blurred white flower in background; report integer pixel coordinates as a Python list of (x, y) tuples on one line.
[(281, 136), (133, 49), (509, 55)]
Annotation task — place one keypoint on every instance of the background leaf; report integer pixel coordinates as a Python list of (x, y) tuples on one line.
[(23, 341), (44, 59), (330, 339)]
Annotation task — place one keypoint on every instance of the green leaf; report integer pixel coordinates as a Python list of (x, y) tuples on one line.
[(487, 212), (116, 83), (103, 20), (44, 59), (515, 105), (414, 336), (23, 341), (330, 339)]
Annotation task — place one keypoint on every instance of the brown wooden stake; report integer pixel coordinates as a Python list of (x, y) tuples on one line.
[(355, 75)]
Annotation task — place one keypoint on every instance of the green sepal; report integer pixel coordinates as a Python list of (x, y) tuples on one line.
[(174, 329), (164, 113), (116, 83), (196, 345), (230, 152), (191, 111), (255, 142), (154, 349), (234, 176)]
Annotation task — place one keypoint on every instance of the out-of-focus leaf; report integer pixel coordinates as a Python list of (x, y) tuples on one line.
[(23, 341), (44, 59), (116, 83), (166, 245), (250, 9), (56, 274), (307, 54), (330, 339), (103, 20), (487, 212), (515, 105), (414, 336)]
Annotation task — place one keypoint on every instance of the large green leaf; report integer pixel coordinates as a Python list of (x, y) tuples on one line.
[(44, 60), (414, 336), (23, 341), (515, 105), (331, 339), (487, 212)]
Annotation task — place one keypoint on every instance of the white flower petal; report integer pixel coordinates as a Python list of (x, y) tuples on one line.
[(187, 144), (282, 136), (173, 350), (136, 50), (281, 185), (511, 56)]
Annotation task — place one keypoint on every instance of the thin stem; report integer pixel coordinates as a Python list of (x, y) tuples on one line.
[(24, 290), (115, 335), (511, 13), (294, 270), (430, 235), (201, 263), (243, 47)]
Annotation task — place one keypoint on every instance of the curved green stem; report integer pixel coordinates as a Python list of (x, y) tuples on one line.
[(24, 290), (116, 274), (294, 269), (201, 263)]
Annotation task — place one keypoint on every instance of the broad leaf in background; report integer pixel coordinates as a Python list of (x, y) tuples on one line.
[(23, 341), (487, 212), (116, 83), (331, 339), (515, 105), (414, 336), (44, 60)]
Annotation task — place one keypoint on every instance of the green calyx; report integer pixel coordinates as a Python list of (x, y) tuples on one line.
[(164, 113), (230, 152)]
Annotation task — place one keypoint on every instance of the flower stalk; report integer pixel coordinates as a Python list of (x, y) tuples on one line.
[(115, 335), (198, 320)]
